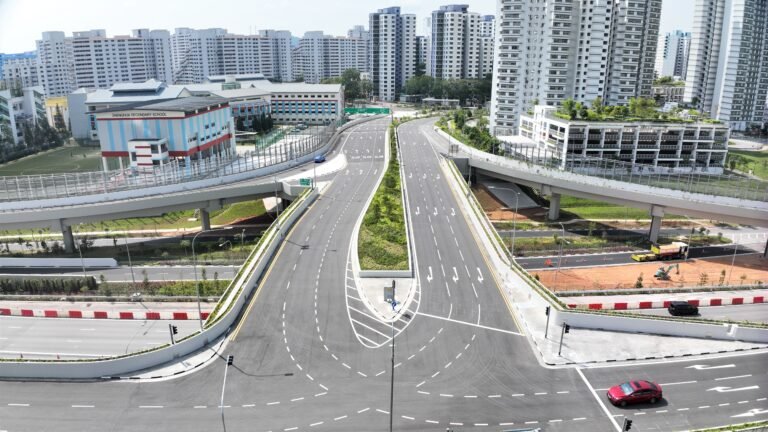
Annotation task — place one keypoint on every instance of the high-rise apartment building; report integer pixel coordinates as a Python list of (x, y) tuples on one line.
[(93, 60), (728, 64), (359, 32), (551, 50), (487, 42), (201, 53), (422, 51), (672, 54), (20, 70), (392, 52), (323, 56), (56, 63), (457, 43)]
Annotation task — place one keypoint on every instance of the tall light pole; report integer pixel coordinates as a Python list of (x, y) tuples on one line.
[(560, 256), (392, 376), (130, 264), (514, 225), (194, 269), (690, 239), (733, 261), (230, 360)]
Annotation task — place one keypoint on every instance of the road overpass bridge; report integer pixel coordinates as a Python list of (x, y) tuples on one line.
[(739, 202), (211, 188)]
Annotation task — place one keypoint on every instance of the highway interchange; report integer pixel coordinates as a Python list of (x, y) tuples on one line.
[(462, 361)]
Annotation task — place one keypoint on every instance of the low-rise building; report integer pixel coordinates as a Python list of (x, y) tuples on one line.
[(16, 112), (674, 146), (664, 94), (247, 98), (155, 133)]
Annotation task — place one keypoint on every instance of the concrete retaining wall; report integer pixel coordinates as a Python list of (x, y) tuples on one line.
[(661, 327), (58, 262), (126, 365)]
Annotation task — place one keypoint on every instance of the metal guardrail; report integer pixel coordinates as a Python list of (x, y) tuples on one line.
[(648, 175), (47, 186)]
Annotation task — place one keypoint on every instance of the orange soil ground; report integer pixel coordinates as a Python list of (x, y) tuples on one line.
[(624, 277)]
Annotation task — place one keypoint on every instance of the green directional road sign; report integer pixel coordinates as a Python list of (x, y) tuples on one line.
[(305, 181)]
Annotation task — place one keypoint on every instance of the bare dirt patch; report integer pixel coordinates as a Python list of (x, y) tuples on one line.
[(748, 269)]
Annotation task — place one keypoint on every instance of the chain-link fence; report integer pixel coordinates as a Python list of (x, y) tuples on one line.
[(270, 151)]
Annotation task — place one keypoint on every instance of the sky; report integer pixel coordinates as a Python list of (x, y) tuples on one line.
[(23, 21)]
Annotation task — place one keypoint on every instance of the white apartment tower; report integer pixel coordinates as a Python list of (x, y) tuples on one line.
[(56, 66), (21, 72), (359, 32), (672, 54), (456, 47), (198, 54), (487, 42), (392, 51), (91, 59), (550, 50), (728, 64), (323, 56)]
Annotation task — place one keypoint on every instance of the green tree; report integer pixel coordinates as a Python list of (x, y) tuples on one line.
[(421, 69), (569, 108)]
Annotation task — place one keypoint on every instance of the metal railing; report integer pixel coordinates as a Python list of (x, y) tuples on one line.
[(269, 151), (648, 175)]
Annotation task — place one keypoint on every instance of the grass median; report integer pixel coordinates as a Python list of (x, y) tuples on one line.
[(382, 243)]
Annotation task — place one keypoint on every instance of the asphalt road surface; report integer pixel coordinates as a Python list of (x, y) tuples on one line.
[(47, 338), (597, 259), (307, 355), (747, 312)]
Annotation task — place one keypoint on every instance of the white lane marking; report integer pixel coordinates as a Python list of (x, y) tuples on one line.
[(731, 389), (382, 411), (470, 324), (445, 395), (83, 406), (199, 407), (540, 393), (506, 424), (751, 413), (321, 394), (316, 424), (673, 383), (150, 406), (475, 291), (494, 396), (432, 421), (381, 373), (733, 377), (363, 410), (323, 387), (249, 405), (705, 367), (563, 392), (297, 399), (579, 418), (599, 400), (273, 403), (407, 417)]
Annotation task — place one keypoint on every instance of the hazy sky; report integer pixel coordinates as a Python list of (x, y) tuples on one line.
[(22, 21)]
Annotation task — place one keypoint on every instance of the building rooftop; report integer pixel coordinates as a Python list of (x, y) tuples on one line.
[(664, 119), (151, 85), (186, 104), (237, 78), (297, 87)]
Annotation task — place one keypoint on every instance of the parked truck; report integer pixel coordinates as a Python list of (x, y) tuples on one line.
[(674, 250)]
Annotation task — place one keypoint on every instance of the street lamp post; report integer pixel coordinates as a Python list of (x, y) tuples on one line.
[(514, 225), (392, 376), (559, 256), (733, 261), (230, 360), (197, 282), (690, 239), (130, 263)]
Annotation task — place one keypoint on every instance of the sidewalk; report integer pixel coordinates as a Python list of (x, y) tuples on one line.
[(105, 310), (651, 301), (581, 346)]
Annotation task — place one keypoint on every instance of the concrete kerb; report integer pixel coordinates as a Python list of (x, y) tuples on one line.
[(365, 278), (144, 360), (606, 322)]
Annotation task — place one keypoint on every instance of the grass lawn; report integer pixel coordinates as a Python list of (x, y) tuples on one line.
[(588, 209), (180, 219), (60, 160), (750, 160)]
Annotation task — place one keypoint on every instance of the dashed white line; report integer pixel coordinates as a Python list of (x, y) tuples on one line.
[(316, 424), (408, 417), (733, 377), (83, 406), (446, 395), (297, 399), (363, 410), (339, 418)]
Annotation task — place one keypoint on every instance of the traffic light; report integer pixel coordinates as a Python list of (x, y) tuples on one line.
[(627, 424), (567, 328), (230, 360), (546, 311), (175, 330)]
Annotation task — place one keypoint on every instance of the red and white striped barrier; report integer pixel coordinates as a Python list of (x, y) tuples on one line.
[(95, 314), (715, 301)]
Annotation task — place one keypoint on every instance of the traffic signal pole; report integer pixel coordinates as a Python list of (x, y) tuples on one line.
[(546, 328), (566, 329)]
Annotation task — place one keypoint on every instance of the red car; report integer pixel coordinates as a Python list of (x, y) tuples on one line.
[(633, 392)]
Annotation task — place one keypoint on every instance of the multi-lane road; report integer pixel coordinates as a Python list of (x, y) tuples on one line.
[(309, 356)]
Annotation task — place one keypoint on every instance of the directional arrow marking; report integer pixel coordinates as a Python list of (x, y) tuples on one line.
[(435, 211), (417, 210), (429, 276), (479, 275), (751, 413), (705, 367), (455, 275), (453, 212), (731, 389)]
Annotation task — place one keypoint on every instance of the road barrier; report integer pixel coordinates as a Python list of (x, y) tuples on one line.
[(217, 325)]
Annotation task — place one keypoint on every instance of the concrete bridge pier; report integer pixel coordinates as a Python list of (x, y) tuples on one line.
[(657, 213), (554, 207), (205, 219), (69, 239)]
